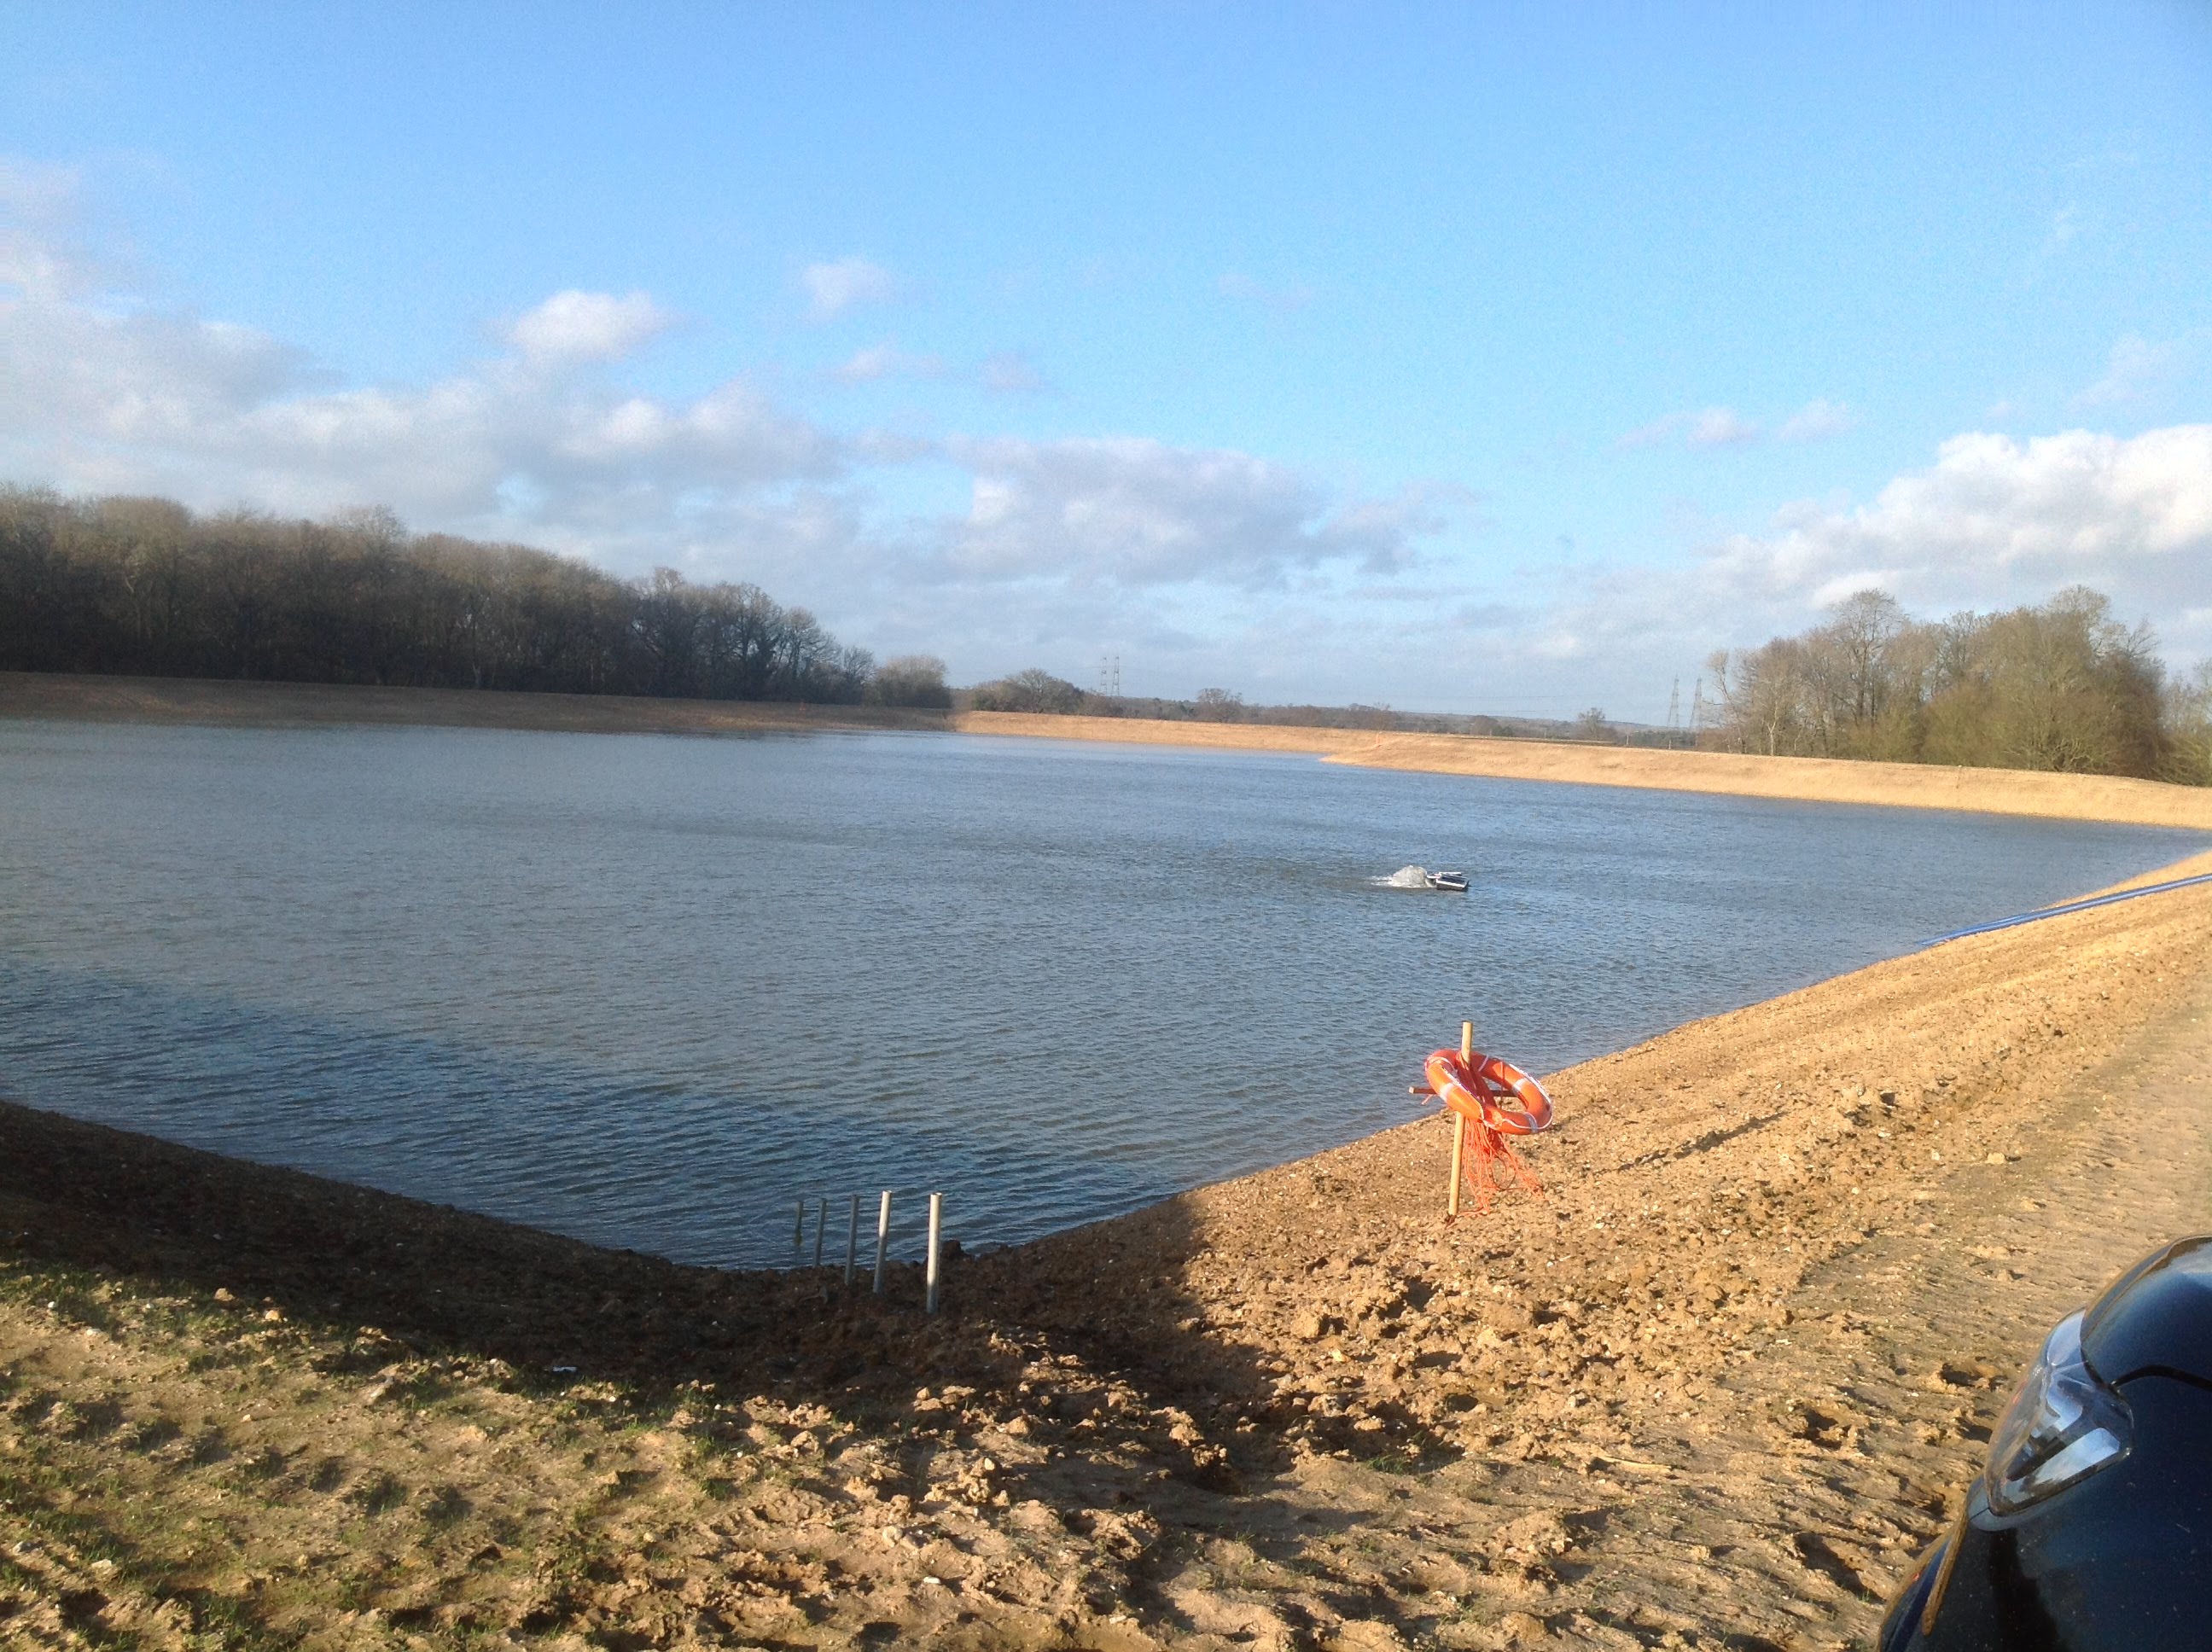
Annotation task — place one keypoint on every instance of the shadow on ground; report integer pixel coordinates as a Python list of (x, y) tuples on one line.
[(1094, 1342)]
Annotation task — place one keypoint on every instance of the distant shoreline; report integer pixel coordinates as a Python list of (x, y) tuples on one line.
[(224, 703), (2111, 800), (2106, 798)]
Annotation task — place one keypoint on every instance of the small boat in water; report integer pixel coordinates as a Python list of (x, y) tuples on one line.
[(1422, 878)]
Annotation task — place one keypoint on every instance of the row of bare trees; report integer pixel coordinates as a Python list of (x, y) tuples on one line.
[(144, 586), (2064, 686)]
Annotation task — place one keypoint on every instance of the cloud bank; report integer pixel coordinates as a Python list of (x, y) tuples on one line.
[(1004, 550)]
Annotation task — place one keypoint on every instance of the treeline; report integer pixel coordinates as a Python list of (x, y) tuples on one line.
[(144, 586), (2064, 686), (1039, 690)]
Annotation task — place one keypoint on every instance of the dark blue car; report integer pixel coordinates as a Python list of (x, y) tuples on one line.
[(2090, 1530)]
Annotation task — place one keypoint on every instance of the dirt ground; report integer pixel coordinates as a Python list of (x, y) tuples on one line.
[(1914, 786), (1713, 1389)]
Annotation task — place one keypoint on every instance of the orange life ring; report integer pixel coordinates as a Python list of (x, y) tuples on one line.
[(1490, 1091)]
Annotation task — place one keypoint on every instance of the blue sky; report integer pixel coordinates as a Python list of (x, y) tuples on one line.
[(1460, 358)]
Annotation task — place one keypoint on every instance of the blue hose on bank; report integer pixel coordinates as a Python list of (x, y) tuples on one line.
[(2071, 906)]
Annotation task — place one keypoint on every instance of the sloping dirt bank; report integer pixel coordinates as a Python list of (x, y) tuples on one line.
[(309, 705), (1710, 1391), (1809, 780)]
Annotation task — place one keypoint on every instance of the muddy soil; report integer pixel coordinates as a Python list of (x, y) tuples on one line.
[(1713, 1389)]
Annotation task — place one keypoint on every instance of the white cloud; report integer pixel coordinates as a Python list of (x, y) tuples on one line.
[(2139, 369), (96, 398), (1711, 427), (578, 326), (1721, 427), (1994, 516), (1993, 522), (835, 286), (41, 255), (886, 360), (1138, 512), (1816, 421)]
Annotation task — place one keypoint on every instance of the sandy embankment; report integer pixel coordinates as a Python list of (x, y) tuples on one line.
[(1809, 780), (1712, 1391), (1812, 780)]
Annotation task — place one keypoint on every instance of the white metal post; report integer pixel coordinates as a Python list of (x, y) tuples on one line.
[(936, 1228), (883, 1237)]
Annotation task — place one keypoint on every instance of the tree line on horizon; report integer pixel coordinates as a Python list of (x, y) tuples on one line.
[(143, 586), (2062, 686), (135, 586)]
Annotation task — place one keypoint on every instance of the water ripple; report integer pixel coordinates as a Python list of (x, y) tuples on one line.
[(652, 992)]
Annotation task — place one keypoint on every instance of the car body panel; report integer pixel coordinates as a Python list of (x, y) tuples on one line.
[(2157, 1318), (2121, 1561)]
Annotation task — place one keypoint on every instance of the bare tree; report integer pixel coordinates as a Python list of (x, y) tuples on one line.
[(2064, 686)]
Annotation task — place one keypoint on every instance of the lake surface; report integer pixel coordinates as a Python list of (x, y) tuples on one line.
[(648, 991)]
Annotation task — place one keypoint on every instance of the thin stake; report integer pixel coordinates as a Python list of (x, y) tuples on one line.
[(1459, 1127), (936, 1226), (853, 1240), (821, 1222), (883, 1237), (798, 1233)]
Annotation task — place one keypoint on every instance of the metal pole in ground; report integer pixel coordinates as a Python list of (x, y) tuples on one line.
[(853, 1240), (936, 1228), (821, 1224), (883, 1237), (797, 1232)]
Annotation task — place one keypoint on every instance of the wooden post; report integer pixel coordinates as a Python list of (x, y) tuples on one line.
[(1459, 1127), (883, 1237), (798, 1233), (853, 1240), (936, 1227), (821, 1222)]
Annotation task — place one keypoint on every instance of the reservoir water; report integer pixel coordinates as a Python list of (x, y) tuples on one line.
[(649, 991)]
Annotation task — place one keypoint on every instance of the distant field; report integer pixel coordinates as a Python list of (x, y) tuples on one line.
[(1810, 779)]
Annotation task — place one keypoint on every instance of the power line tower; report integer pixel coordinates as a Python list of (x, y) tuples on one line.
[(1674, 706), (1697, 708), (1109, 676)]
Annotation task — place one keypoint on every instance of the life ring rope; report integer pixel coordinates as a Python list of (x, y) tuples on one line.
[(1496, 1100)]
